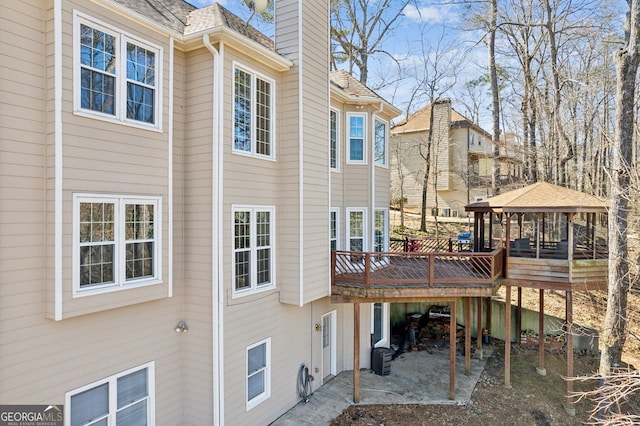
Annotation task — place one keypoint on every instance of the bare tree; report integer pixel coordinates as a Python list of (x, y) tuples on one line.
[(358, 30), (626, 60)]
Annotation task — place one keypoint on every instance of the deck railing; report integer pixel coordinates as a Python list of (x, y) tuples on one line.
[(415, 269)]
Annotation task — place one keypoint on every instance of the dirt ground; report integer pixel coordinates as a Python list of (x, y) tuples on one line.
[(532, 399)]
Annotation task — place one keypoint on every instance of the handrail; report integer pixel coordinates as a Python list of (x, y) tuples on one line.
[(415, 269)]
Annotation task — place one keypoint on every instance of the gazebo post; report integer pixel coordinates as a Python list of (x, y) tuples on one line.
[(356, 353), (540, 369), (519, 317)]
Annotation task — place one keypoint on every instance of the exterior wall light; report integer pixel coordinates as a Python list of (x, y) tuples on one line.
[(181, 327)]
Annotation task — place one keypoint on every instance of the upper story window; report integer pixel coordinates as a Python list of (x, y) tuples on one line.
[(380, 143), (253, 110), (357, 149), (116, 242), (253, 248), (117, 76), (356, 230), (380, 231), (334, 226), (333, 143)]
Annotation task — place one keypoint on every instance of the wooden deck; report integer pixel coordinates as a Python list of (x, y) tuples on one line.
[(403, 277)]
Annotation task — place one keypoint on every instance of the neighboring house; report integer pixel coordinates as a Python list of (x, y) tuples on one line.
[(461, 161), (169, 169)]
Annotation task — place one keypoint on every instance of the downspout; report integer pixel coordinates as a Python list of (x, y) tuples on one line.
[(216, 234), (58, 162)]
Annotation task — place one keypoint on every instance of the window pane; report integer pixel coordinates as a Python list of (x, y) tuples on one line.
[(381, 135), (377, 322), (333, 134), (97, 49), (257, 358), (325, 331), (242, 229), (243, 269), (380, 231), (263, 117), (264, 266), (263, 230), (356, 138), (140, 64), (132, 388), (90, 405), (256, 385), (139, 260), (242, 111), (356, 224), (96, 265), (140, 103), (135, 415)]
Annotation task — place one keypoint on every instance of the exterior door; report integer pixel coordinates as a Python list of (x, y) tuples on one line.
[(328, 346)]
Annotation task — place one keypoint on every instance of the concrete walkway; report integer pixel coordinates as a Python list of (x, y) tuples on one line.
[(415, 378)]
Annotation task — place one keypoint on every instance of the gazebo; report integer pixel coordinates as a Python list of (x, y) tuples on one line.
[(554, 238)]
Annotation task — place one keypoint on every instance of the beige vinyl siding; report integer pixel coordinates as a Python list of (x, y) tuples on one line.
[(289, 120), (316, 150), (199, 267)]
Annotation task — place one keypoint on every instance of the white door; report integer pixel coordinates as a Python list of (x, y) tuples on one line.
[(328, 346)]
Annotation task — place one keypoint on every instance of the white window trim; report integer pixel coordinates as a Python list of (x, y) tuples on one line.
[(113, 380), (254, 287), (121, 74), (385, 325), (254, 74), (348, 138), (385, 163), (267, 385), (348, 227), (119, 256), (337, 167), (385, 230), (336, 211)]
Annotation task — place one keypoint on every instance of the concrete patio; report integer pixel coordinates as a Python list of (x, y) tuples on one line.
[(415, 378)]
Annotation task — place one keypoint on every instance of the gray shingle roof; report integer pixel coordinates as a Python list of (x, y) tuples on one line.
[(169, 13), (180, 16)]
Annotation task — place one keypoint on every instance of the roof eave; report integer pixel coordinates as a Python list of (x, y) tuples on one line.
[(231, 38)]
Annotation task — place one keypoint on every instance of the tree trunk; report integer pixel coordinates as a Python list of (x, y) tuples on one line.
[(425, 183), (626, 59), (495, 99)]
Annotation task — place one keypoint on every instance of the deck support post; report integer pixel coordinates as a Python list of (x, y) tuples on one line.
[(479, 302), (507, 339), (452, 350), (519, 317), (467, 336), (356, 353), (569, 408), (540, 369)]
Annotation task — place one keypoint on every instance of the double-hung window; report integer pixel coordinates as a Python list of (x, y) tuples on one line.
[(357, 149), (124, 399), (356, 228), (380, 133), (333, 142), (258, 373), (116, 242), (380, 231), (253, 248), (117, 76), (334, 226), (253, 114)]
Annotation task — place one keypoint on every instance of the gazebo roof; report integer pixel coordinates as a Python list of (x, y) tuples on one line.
[(540, 197)]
